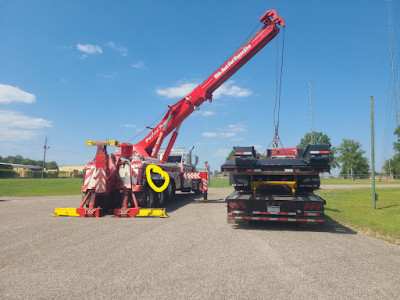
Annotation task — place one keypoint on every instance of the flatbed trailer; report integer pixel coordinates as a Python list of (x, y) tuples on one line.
[(304, 207), (279, 188)]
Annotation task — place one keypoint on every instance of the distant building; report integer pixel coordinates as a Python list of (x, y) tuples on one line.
[(22, 170), (71, 170)]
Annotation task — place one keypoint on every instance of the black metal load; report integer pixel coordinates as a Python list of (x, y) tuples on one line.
[(296, 166)]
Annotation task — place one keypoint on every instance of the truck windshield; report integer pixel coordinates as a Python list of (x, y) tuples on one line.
[(174, 159)]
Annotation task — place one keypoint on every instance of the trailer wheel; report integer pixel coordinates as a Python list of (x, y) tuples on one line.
[(149, 197)]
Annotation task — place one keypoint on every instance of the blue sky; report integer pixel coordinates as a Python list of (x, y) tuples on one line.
[(95, 70)]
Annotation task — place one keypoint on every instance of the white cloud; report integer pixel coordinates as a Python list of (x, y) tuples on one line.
[(206, 113), (129, 126), (209, 134), (221, 152), (230, 131), (14, 126), (122, 50), (10, 94), (236, 127), (228, 89), (139, 65), (227, 134), (177, 91), (89, 48)]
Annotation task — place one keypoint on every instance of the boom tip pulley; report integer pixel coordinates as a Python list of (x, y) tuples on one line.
[(272, 16)]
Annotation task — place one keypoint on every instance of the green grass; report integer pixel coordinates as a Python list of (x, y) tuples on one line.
[(224, 182), (40, 187), (354, 208), (219, 183), (328, 181)]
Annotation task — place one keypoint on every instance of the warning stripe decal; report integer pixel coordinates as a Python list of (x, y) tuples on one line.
[(319, 152), (276, 219)]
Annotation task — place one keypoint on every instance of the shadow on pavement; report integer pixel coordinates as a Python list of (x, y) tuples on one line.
[(330, 226), (182, 199)]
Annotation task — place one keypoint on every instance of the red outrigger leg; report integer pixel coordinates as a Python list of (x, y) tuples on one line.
[(91, 211), (125, 211)]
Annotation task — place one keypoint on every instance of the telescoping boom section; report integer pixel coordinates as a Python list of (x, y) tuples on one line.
[(138, 176)]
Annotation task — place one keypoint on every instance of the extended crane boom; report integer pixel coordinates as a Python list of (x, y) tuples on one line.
[(177, 113)]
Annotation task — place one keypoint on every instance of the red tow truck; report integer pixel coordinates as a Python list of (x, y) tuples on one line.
[(119, 182)]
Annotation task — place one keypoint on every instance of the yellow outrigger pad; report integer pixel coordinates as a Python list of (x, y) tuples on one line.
[(152, 212), (65, 211)]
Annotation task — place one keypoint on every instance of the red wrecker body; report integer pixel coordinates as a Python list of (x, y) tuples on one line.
[(118, 181)]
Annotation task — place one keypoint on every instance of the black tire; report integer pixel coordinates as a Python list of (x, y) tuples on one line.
[(149, 198), (197, 191), (171, 189), (162, 199)]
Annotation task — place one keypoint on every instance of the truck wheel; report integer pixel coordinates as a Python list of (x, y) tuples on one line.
[(197, 191), (149, 198), (162, 199), (170, 190)]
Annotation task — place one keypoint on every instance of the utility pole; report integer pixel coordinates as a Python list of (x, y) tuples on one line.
[(372, 153), (44, 156)]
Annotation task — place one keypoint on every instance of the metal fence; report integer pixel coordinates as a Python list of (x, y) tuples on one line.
[(382, 177)]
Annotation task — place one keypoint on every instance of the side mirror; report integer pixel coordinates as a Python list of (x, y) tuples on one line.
[(196, 160)]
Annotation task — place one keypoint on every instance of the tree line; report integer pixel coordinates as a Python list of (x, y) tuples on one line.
[(18, 159)]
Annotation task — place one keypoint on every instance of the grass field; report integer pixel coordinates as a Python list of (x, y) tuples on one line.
[(328, 181), (354, 208), (40, 187)]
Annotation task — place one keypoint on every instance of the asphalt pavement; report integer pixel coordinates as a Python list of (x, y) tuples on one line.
[(193, 254)]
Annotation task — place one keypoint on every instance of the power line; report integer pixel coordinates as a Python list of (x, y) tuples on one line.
[(311, 112), (396, 110)]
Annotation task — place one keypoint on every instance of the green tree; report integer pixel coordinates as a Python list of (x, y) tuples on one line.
[(314, 138), (351, 158), (392, 165), (18, 159), (230, 155), (52, 165), (319, 138), (396, 145)]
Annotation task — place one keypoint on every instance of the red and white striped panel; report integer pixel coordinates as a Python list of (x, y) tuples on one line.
[(266, 213), (319, 152), (312, 214), (100, 177), (205, 184), (191, 175), (276, 219)]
